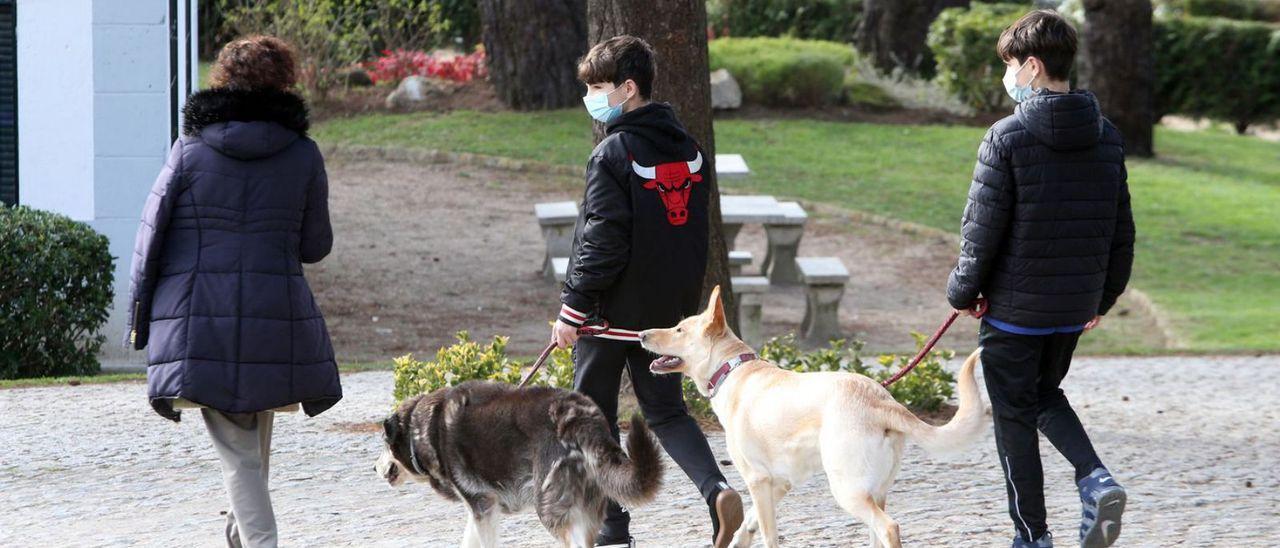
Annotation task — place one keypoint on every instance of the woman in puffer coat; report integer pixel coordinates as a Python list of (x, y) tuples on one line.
[(219, 298)]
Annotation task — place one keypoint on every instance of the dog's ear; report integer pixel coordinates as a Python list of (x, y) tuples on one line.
[(391, 427), (716, 323), (714, 300)]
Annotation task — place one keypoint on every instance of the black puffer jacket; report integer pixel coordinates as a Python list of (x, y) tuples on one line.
[(1048, 232), (640, 244)]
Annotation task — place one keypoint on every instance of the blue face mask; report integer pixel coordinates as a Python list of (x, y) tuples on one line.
[(598, 106), (1018, 93)]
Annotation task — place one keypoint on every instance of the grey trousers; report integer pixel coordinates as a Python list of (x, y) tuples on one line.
[(243, 442)]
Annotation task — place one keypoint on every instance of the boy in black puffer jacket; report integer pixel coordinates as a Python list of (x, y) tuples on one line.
[(639, 254), (1048, 244)]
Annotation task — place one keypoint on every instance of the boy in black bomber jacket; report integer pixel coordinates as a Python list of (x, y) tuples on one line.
[(639, 254)]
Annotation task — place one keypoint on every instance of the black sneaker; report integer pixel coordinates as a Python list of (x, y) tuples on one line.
[(614, 542), (725, 506)]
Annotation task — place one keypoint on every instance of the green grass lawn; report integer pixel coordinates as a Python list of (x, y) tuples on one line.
[(1208, 209)]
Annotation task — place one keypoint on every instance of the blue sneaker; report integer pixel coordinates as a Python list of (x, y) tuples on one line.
[(1103, 500), (1045, 541)]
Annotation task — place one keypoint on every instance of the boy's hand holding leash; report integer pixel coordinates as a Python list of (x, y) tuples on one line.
[(975, 310), (563, 334)]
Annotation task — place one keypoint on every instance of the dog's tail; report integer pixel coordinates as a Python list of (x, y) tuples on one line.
[(964, 428), (631, 478)]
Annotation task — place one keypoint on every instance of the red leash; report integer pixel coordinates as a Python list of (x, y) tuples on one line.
[(979, 309), (542, 358)]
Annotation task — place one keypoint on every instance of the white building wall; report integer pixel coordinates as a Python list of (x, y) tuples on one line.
[(95, 118), (55, 106), (131, 130)]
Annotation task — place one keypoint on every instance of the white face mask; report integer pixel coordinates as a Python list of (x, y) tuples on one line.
[(598, 106), (1015, 91)]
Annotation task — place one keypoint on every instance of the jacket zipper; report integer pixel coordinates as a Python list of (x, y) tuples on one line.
[(133, 333)]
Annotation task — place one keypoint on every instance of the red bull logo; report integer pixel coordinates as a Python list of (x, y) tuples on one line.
[(673, 181)]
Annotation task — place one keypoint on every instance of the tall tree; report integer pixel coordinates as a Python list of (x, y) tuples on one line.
[(1117, 65), (533, 48), (677, 29), (893, 32)]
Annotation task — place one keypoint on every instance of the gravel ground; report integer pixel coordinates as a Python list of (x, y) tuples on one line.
[(1194, 439)]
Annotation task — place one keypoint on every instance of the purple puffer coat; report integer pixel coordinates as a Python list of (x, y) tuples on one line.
[(219, 299)]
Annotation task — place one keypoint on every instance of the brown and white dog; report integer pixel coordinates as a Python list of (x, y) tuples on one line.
[(781, 427), (500, 449)]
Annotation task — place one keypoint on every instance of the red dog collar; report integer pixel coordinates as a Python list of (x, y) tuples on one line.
[(724, 370)]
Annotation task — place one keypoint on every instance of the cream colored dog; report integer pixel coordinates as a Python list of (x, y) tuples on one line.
[(781, 427)]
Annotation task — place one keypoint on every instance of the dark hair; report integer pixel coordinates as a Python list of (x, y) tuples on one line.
[(255, 63), (619, 59), (1045, 35)]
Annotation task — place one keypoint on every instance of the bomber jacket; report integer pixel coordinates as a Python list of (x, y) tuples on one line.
[(640, 242)]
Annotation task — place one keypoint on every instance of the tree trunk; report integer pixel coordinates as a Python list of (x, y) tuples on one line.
[(1118, 66), (677, 30), (893, 32), (533, 48)]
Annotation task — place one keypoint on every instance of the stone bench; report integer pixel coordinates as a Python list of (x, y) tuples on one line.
[(560, 268), (824, 279), (556, 220), (784, 243), (737, 261), (731, 166), (750, 290)]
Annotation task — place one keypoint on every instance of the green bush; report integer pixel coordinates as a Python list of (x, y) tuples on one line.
[(834, 20), (329, 36), (926, 388), (463, 361), (55, 292), (378, 24), (1246, 10), (467, 360), (419, 24), (784, 71), (866, 94), (963, 42), (1218, 68)]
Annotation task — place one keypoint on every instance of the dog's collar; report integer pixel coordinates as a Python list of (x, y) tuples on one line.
[(725, 368), (413, 452)]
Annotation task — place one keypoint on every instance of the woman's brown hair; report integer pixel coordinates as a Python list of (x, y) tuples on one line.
[(255, 63)]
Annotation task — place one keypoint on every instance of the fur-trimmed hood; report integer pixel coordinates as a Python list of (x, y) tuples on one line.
[(246, 124)]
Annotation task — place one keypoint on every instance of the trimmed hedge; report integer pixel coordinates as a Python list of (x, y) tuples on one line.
[(963, 42), (784, 71), (1205, 66), (1245, 10), (834, 20), (1218, 68), (55, 293)]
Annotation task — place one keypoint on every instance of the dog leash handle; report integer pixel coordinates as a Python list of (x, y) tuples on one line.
[(585, 330)]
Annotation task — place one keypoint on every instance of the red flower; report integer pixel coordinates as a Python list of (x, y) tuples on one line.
[(399, 64)]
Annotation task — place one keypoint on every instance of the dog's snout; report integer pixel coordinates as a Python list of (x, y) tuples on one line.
[(644, 335)]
